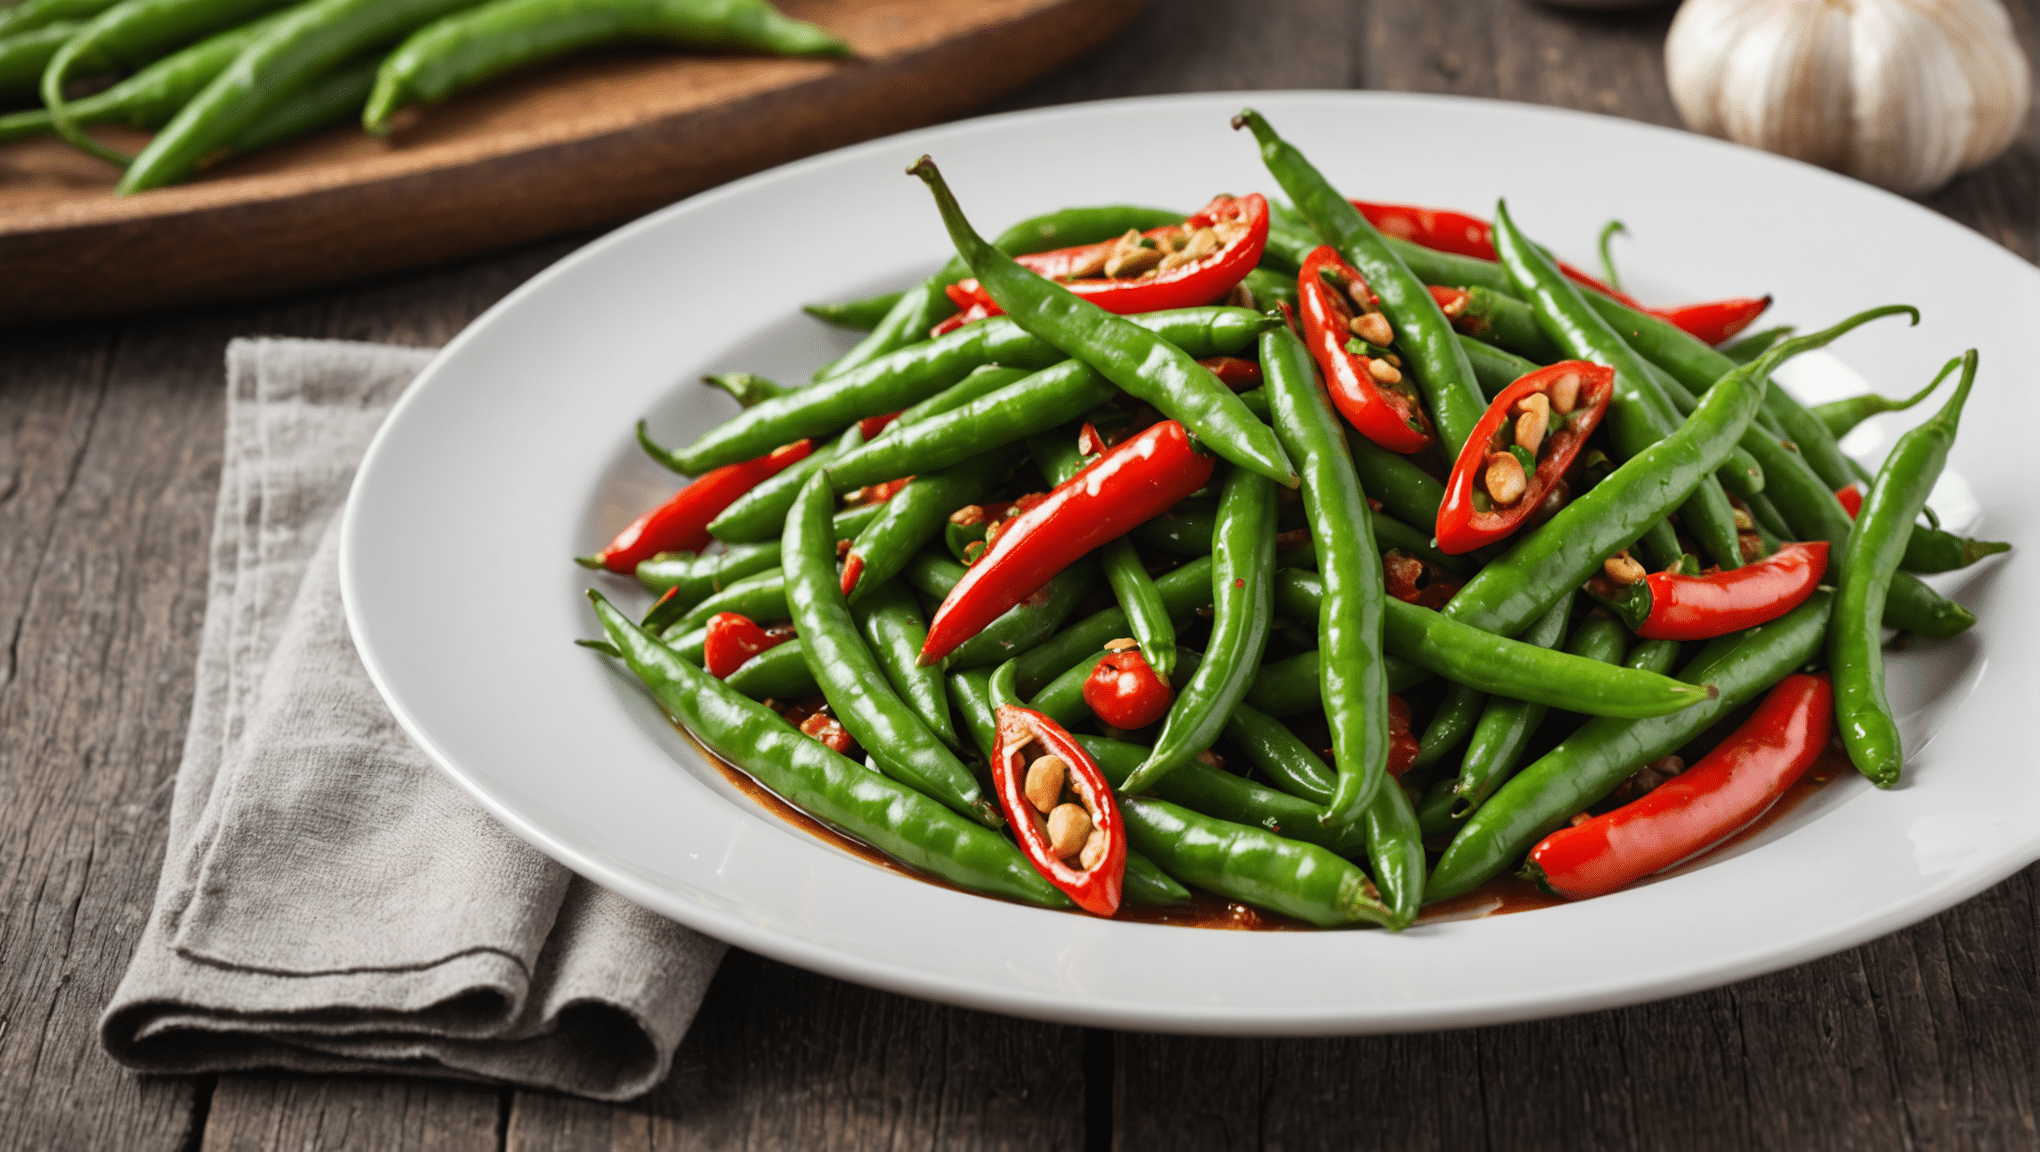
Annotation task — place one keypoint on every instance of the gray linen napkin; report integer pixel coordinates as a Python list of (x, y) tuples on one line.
[(331, 902)]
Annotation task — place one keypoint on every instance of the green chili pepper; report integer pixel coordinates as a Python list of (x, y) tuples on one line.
[(1352, 677), (1640, 415), (1184, 530), (893, 626), (1392, 534), (697, 577), (1855, 652), (919, 371), (1449, 269), (1741, 475), (1753, 345), (839, 792), (917, 513), (761, 596), (851, 677), (312, 39), (926, 303), (1559, 556), (461, 51), (1142, 602), (1406, 490), (1183, 591), (1505, 727), (860, 315), (1242, 577), (1142, 363), (32, 14), (1840, 417), (1253, 865), (1931, 550), (1494, 368), (321, 101), (1429, 344), (1288, 687), (1290, 239), (1271, 290), (1021, 627), (1770, 524), (24, 55), (778, 673), (748, 389), (1502, 320), (1452, 723), (1036, 404), (1587, 765)]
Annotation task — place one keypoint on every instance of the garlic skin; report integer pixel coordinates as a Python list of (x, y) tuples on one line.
[(1902, 93)]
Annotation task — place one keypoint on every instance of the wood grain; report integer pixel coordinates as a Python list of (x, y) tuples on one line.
[(109, 444), (512, 161)]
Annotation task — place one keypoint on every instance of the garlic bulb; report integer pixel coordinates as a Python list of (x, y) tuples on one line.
[(1902, 93)]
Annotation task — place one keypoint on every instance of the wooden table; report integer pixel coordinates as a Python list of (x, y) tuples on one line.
[(109, 460)]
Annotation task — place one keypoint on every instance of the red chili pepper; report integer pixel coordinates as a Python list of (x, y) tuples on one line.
[(1233, 372), (1383, 407), (1402, 745), (878, 493), (1669, 606), (1095, 884), (1135, 480), (681, 523), (828, 730), (1851, 499), (970, 315), (1716, 320), (733, 639), (1463, 235), (1204, 280), (1413, 580), (1721, 795), (871, 426), (1490, 467), (1124, 691)]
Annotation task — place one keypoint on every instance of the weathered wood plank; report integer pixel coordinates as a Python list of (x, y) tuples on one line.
[(781, 1058), (314, 1113)]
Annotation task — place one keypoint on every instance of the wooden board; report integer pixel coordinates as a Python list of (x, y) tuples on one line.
[(582, 143)]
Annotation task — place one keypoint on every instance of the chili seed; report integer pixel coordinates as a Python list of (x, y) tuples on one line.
[(1622, 570), (1504, 478), (1362, 299), (1045, 782), (1202, 243), (1121, 644), (1535, 420), (1565, 392), (1373, 328), (1095, 846), (1130, 261), (1384, 372), (1092, 263), (1068, 827)]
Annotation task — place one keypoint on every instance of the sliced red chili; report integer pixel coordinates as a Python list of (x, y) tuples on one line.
[(828, 730), (1414, 580), (1716, 320), (1721, 795), (1403, 746), (732, 639), (1131, 482), (1447, 231), (681, 523), (1124, 691), (971, 314), (1233, 372), (1851, 499), (1368, 390), (1519, 452), (1195, 262), (871, 426), (1041, 775), (1671, 606)]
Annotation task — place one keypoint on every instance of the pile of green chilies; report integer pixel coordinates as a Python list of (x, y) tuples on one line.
[(1262, 597), (232, 76)]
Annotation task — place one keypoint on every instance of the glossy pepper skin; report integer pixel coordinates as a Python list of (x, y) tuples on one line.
[(681, 523), (1715, 321), (1855, 644), (1136, 360), (891, 817), (1387, 414), (1124, 692), (1202, 281), (1671, 606), (1096, 888), (1461, 235), (1714, 799), (1588, 764), (733, 639), (1133, 481), (1463, 523), (1430, 348)]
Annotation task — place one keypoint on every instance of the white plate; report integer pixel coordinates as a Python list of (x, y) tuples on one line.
[(513, 453)]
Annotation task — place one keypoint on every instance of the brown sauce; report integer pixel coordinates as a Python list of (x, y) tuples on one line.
[(1504, 895)]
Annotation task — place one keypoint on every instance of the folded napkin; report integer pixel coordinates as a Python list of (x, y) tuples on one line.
[(331, 902)]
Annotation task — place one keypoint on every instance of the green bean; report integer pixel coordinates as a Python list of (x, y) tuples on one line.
[(1452, 723), (1035, 404), (1392, 534), (1024, 625), (893, 626), (915, 515), (780, 672), (1253, 865), (748, 389), (32, 14), (1183, 530), (320, 101), (1741, 475), (1587, 765), (1287, 687), (1430, 347), (24, 55), (1840, 417), (1495, 368), (697, 576), (896, 820), (1502, 320), (1220, 794), (1142, 602), (1855, 653), (1503, 733), (850, 675), (860, 315), (1183, 591), (1754, 345), (761, 596), (1242, 575), (1406, 490)]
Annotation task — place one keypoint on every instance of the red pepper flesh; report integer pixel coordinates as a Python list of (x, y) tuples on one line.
[(732, 639), (1703, 607), (1205, 280), (681, 523), (1124, 691), (1721, 795), (1715, 321), (1137, 479), (1388, 415), (1444, 230), (1233, 372), (1468, 518), (1403, 746), (1851, 499), (1096, 889)]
